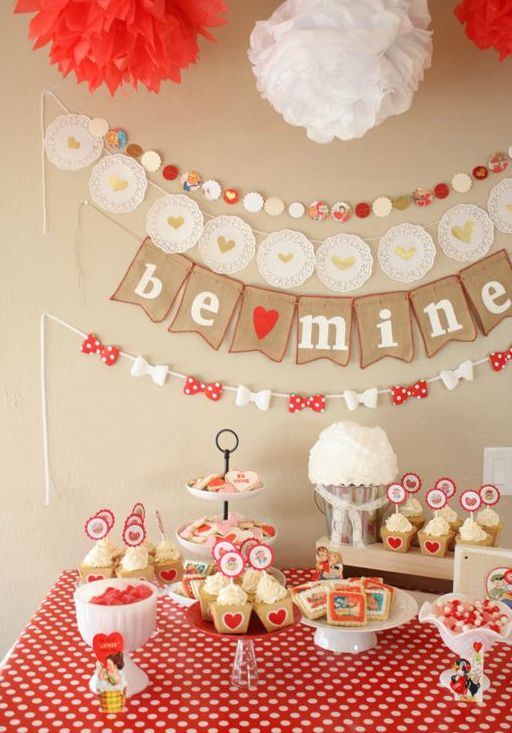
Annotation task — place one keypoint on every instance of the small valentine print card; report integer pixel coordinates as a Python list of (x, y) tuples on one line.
[(467, 678), (110, 679)]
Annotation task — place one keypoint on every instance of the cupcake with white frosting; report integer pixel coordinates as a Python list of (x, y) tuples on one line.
[(231, 611), (471, 533), (489, 520), (413, 510), (136, 563), (208, 592), (434, 539), (98, 564), (168, 563), (397, 533), (453, 520), (272, 603)]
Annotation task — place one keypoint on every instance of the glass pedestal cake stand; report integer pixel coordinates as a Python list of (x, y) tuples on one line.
[(357, 639), (245, 664)]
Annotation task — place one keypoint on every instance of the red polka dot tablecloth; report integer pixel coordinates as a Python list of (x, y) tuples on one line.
[(392, 688)]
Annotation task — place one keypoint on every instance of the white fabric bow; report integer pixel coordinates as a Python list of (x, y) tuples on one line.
[(368, 398), (261, 399), (451, 378), (157, 373)]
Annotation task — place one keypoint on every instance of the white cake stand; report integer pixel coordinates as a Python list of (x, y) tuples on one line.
[(204, 550), (357, 639), (223, 496)]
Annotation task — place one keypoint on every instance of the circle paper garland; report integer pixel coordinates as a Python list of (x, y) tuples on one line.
[(406, 252), (118, 184), (227, 244), (174, 223), (286, 259), (465, 232), (69, 144), (343, 262)]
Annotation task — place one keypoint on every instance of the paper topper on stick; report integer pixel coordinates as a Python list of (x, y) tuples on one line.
[(134, 519), (247, 545), (411, 482), (231, 564), (260, 557), (133, 535), (105, 645), (396, 493), (447, 486), (96, 528), (490, 494), (138, 508), (108, 516), (470, 500), (221, 547), (436, 499)]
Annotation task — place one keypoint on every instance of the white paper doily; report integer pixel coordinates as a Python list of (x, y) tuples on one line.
[(118, 184), (406, 252), (227, 244), (344, 262), (286, 258), (499, 205), (174, 223), (465, 232), (69, 144)]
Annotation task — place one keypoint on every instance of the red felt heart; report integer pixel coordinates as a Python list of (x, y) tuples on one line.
[(277, 617), (264, 321), (168, 575), (477, 646), (233, 620), (395, 542), (106, 644), (432, 547), (92, 578)]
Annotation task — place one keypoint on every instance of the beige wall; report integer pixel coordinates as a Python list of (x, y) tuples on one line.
[(115, 440)]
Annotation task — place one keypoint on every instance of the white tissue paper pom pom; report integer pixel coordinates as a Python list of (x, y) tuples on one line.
[(348, 454), (340, 67)]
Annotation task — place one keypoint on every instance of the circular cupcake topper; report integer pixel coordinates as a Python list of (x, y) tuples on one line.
[(260, 556), (133, 535), (134, 519), (231, 564), (396, 493), (138, 508), (96, 528), (247, 546), (508, 577), (108, 516), (436, 499), (470, 500), (490, 494), (447, 486), (221, 547), (411, 482)]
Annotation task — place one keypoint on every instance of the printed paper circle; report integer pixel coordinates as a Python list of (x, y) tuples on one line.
[(108, 516), (231, 564), (436, 499), (253, 202), (406, 252), (344, 262), (396, 493), (98, 127), (499, 205), (174, 223), (134, 518), (286, 258), (133, 535), (382, 206), (247, 545), (274, 206), (211, 190), (227, 244), (461, 182), (138, 509), (151, 161), (96, 528), (489, 494), (470, 500), (221, 547), (118, 184), (296, 209), (69, 144), (447, 486), (465, 232), (260, 556), (411, 482)]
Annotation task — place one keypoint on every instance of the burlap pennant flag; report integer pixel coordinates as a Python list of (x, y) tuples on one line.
[(264, 322), (384, 327), (207, 305), (442, 313), (488, 284), (153, 280), (323, 329)]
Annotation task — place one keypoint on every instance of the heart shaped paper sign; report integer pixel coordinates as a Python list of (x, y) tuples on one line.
[(264, 321), (106, 644), (243, 481)]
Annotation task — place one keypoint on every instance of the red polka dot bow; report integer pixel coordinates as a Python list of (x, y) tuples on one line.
[(92, 345), (399, 395), (212, 390), (296, 403), (498, 359)]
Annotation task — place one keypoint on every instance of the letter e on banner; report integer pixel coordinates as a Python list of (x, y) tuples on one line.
[(323, 329), (488, 284)]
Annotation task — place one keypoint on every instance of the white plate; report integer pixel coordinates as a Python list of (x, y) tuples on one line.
[(203, 550), (171, 590), (220, 496)]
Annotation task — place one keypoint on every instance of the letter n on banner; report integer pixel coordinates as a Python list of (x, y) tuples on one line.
[(264, 323), (153, 280), (384, 326), (488, 284), (323, 329), (442, 313), (207, 305)]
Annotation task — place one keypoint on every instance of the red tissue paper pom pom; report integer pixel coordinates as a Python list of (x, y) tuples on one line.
[(488, 23), (122, 41)]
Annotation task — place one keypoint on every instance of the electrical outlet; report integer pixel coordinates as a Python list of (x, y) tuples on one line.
[(498, 468)]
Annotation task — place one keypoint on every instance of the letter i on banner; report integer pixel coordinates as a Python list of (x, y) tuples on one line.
[(442, 313), (384, 327), (153, 280), (323, 329), (207, 305), (488, 284)]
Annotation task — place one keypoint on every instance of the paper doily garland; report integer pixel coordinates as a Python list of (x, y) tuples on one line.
[(174, 223), (406, 252), (344, 262), (465, 233), (118, 184), (69, 144), (499, 205), (286, 258), (227, 244)]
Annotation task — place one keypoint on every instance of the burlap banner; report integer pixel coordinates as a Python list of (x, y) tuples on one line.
[(264, 323), (442, 313), (384, 327), (323, 329), (488, 284), (207, 305), (153, 280)]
